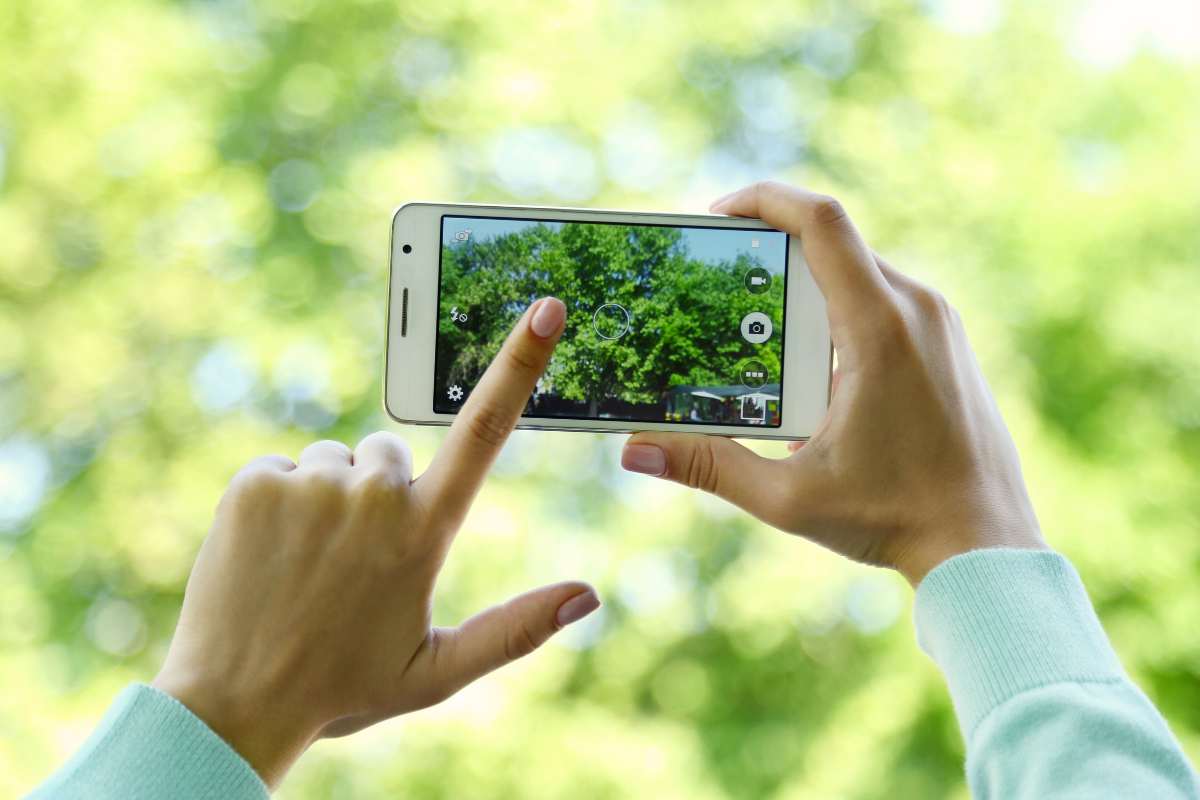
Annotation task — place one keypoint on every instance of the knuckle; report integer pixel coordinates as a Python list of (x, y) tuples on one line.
[(489, 425), (521, 360), (378, 484), (321, 476), (519, 639), (322, 483), (257, 484), (328, 444), (931, 304), (892, 339), (764, 188), (891, 322), (442, 645), (385, 438), (373, 435), (956, 322), (827, 210), (702, 472)]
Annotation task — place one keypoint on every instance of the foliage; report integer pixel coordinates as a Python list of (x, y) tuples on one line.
[(194, 207), (686, 311)]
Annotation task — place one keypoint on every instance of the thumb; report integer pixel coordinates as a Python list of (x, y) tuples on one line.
[(506, 632), (717, 465)]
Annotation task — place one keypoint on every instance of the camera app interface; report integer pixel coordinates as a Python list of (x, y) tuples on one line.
[(664, 323)]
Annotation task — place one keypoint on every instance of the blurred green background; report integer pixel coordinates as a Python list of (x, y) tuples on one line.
[(194, 209)]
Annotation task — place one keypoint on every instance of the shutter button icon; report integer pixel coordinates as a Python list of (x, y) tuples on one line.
[(756, 327)]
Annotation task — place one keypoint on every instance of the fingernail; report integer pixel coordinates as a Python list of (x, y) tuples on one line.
[(577, 608), (548, 318), (644, 458)]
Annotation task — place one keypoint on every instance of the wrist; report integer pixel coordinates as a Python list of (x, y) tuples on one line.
[(934, 550), (264, 733)]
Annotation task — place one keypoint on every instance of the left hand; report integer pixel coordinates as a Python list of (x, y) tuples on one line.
[(307, 613), (912, 464)]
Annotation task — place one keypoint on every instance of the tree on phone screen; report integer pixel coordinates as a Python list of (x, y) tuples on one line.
[(682, 310)]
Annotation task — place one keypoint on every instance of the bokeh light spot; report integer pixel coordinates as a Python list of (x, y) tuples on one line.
[(309, 90), (872, 603), (24, 478), (117, 627), (634, 154), (966, 17), (830, 52), (223, 378), (1108, 32), (536, 161), (421, 64), (294, 184), (655, 579)]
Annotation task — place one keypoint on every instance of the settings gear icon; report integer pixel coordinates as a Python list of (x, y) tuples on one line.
[(455, 393)]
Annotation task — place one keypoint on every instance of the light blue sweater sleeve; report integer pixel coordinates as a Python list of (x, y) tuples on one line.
[(1045, 707), (149, 746)]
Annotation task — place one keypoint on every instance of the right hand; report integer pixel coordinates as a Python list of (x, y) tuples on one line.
[(912, 464), (308, 610)]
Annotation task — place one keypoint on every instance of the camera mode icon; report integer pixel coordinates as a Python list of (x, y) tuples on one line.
[(756, 327)]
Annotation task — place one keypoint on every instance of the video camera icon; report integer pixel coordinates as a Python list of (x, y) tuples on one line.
[(757, 280)]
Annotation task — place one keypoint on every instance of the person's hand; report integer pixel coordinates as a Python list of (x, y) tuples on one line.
[(913, 464), (307, 613)]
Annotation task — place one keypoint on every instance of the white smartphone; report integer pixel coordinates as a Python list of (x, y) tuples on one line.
[(674, 322)]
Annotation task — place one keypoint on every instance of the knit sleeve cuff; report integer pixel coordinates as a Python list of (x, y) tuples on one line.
[(149, 745), (999, 622)]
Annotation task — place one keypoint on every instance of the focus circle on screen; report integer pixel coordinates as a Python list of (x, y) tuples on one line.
[(611, 321)]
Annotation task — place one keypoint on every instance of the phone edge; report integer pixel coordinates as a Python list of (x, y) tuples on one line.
[(755, 223)]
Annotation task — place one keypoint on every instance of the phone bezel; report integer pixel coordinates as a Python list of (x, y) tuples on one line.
[(409, 359)]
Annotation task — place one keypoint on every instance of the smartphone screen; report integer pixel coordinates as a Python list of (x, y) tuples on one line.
[(665, 323)]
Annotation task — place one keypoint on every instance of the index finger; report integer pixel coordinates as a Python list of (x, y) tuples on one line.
[(491, 412), (840, 261)]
